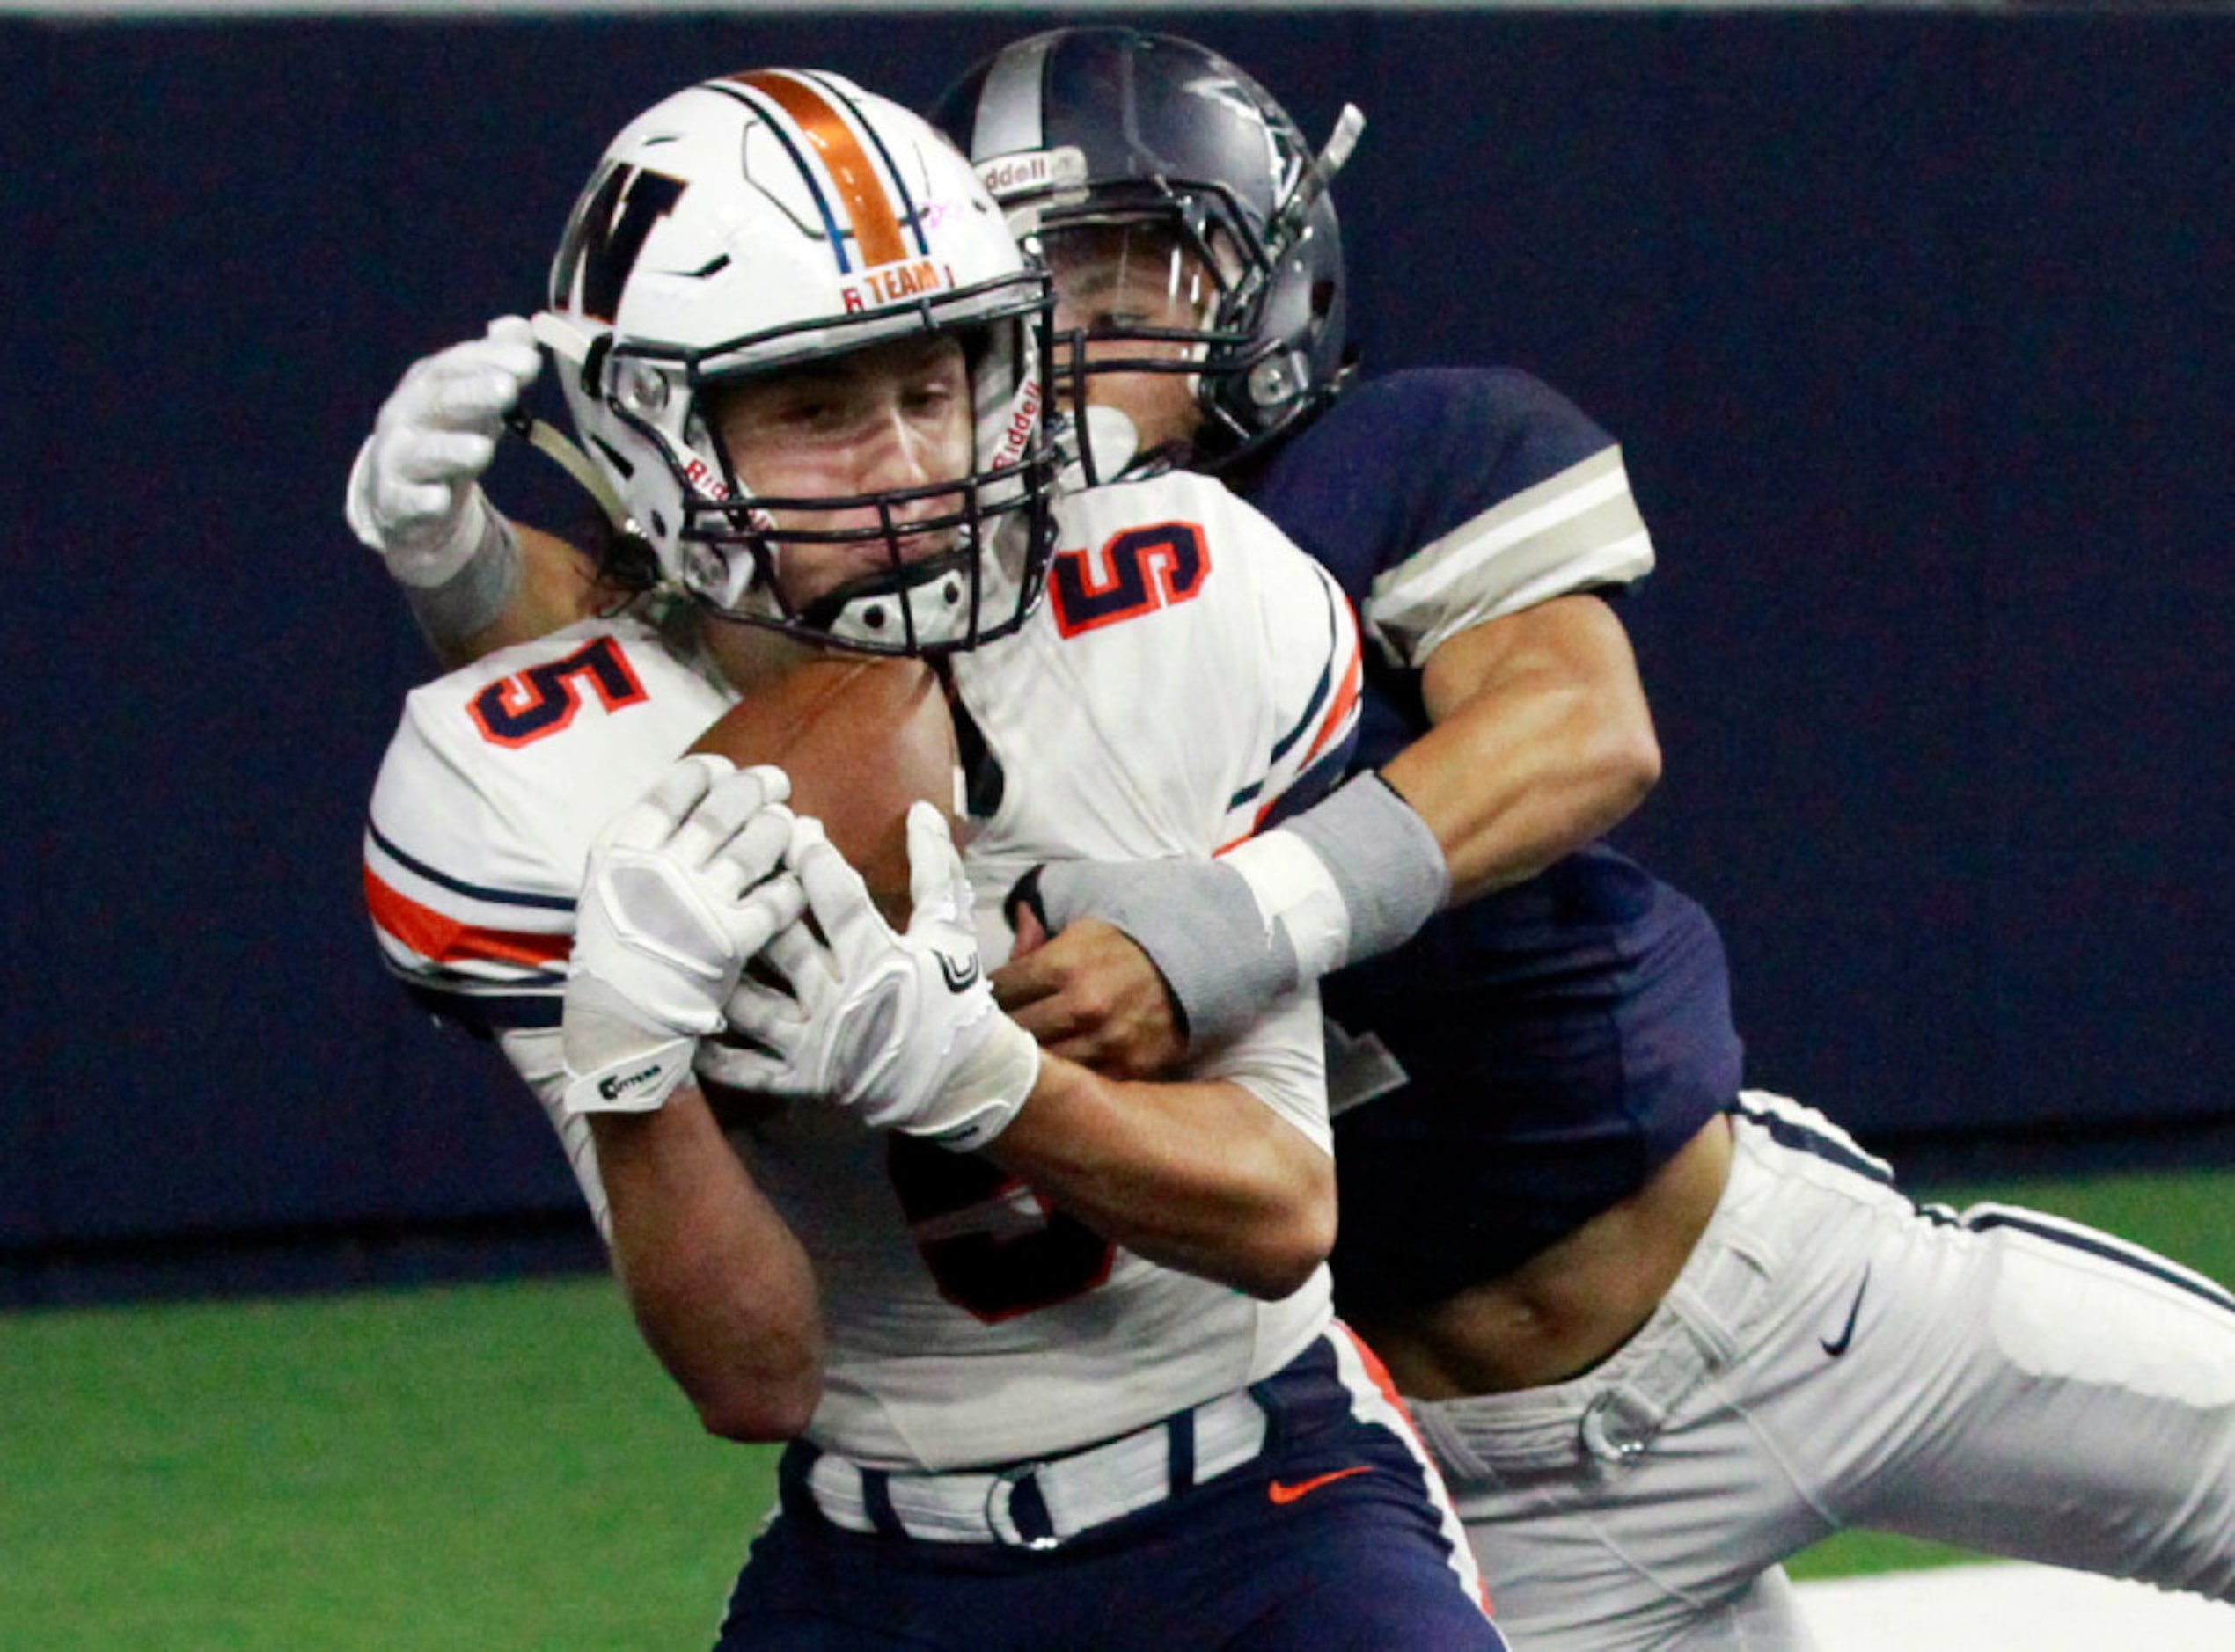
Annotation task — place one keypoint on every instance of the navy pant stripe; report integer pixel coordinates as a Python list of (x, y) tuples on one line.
[(1793, 1133), (2101, 1245)]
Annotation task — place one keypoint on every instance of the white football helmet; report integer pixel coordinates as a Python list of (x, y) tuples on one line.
[(770, 219)]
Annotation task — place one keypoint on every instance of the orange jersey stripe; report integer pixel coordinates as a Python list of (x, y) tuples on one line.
[(868, 207), (444, 939)]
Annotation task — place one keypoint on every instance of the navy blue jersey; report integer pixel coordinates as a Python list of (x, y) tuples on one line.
[(1555, 1042)]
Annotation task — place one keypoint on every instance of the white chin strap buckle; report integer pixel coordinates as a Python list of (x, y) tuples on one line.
[(933, 611)]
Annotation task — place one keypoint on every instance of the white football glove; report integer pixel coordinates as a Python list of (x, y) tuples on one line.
[(901, 1029), (682, 888), (414, 492)]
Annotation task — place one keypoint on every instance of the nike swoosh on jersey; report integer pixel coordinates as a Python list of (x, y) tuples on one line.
[(959, 977), (1836, 1346), (1281, 1492)]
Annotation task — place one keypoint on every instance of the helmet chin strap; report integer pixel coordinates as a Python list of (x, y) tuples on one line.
[(925, 603)]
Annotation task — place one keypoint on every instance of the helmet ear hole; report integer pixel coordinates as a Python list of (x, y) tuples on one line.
[(628, 561)]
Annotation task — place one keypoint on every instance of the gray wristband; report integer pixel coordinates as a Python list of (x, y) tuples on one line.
[(1196, 919), (474, 598), (1382, 857), (1203, 926)]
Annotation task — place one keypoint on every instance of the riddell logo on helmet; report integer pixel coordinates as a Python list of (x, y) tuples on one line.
[(703, 481), (1024, 417), (889, 283), (1039, 169)]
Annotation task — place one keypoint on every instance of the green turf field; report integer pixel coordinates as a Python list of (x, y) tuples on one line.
[(474, 1468)]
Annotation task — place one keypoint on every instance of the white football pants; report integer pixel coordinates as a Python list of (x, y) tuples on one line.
[(1832, 1357)]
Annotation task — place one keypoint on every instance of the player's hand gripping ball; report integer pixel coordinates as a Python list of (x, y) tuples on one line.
[(898, 1027), (861, 738)]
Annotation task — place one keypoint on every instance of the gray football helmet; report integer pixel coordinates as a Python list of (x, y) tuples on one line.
[(1089, 128)]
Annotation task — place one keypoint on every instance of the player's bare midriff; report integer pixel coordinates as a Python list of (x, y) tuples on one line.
[(1568, 1307)]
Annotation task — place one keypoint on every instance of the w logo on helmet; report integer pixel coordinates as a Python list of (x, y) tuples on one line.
[(608, 233)]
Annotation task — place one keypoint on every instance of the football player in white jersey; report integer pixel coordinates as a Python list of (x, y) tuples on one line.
[(1056, 1350)]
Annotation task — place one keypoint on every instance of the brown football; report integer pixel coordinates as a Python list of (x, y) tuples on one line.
[(861, 737)]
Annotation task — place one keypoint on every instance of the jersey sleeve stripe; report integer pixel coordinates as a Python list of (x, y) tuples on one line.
[(1334, 699), (1572, 531), (443, 940), (476, 891), (1325, 732), (1343, 712), (1317, 780), (486, 1013)]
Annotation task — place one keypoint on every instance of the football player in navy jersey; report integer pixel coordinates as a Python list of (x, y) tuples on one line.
[(1664, 1332)]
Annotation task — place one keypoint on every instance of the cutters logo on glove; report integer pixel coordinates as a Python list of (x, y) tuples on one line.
[(615, 1085)]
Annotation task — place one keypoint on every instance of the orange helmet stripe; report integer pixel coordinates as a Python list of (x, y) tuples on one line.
[(868, 206)]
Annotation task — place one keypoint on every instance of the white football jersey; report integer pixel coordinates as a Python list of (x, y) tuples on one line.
[(1188, 671)]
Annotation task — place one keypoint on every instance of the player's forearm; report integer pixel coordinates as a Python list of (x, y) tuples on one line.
[(720, 1286), (1202, 1177), (1543, 741), (554, 586)]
